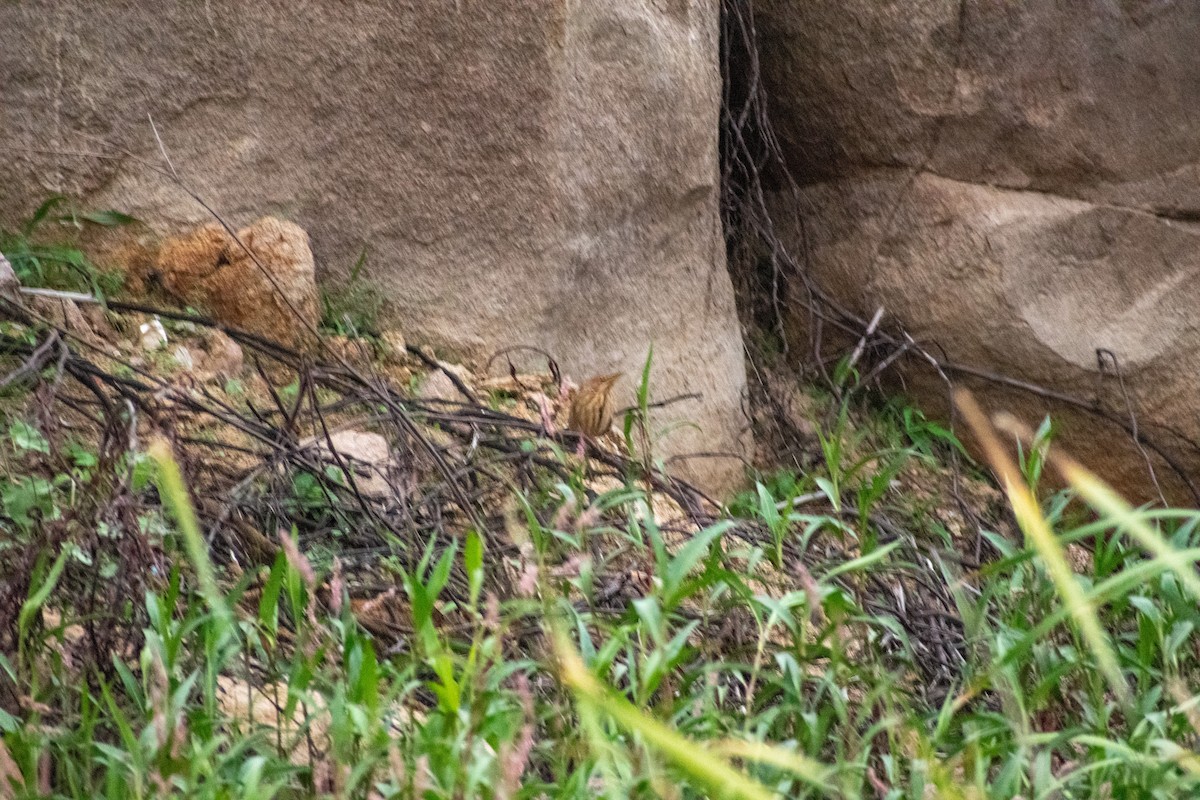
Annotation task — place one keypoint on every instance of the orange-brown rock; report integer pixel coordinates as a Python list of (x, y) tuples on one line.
[(263, 281)]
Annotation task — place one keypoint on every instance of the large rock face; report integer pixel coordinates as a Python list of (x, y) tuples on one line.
[(1016, 182), (520, 171)]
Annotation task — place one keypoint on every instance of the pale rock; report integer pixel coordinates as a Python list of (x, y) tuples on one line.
[(152, 335), (10, 285), (368, 456), (1015, 185), (457, 370), (395, 348), (183, 358), (437, 385), (223, 358)]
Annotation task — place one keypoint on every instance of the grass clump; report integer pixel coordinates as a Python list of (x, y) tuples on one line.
[(44, 252), (352, 309)]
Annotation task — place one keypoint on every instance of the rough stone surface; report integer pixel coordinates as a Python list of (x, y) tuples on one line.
[(270, 290), (438, 386), (368, 455), (152, 335), (520, 171), (221, 357), (1017, 184), (9, 284), (394, 347)]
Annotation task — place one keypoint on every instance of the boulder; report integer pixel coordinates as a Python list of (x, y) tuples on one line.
[(10, 285), (1015, 185), (439, 387), (366, 454), (263, 281), (221, 358), (520, 172)]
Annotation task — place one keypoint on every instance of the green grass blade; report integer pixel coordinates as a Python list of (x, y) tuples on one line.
[(1039, 534), (712, 773), (174, 495)]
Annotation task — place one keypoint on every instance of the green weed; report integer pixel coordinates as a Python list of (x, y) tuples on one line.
[(44, 251), (754, 658), (352, 309)]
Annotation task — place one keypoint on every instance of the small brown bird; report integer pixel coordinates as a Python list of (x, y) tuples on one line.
[(592, 407)]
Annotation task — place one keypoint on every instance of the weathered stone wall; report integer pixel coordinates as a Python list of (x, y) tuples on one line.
[(1016, 182), (521, 171)]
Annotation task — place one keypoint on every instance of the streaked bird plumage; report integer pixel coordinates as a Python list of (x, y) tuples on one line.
[(592, 407)]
